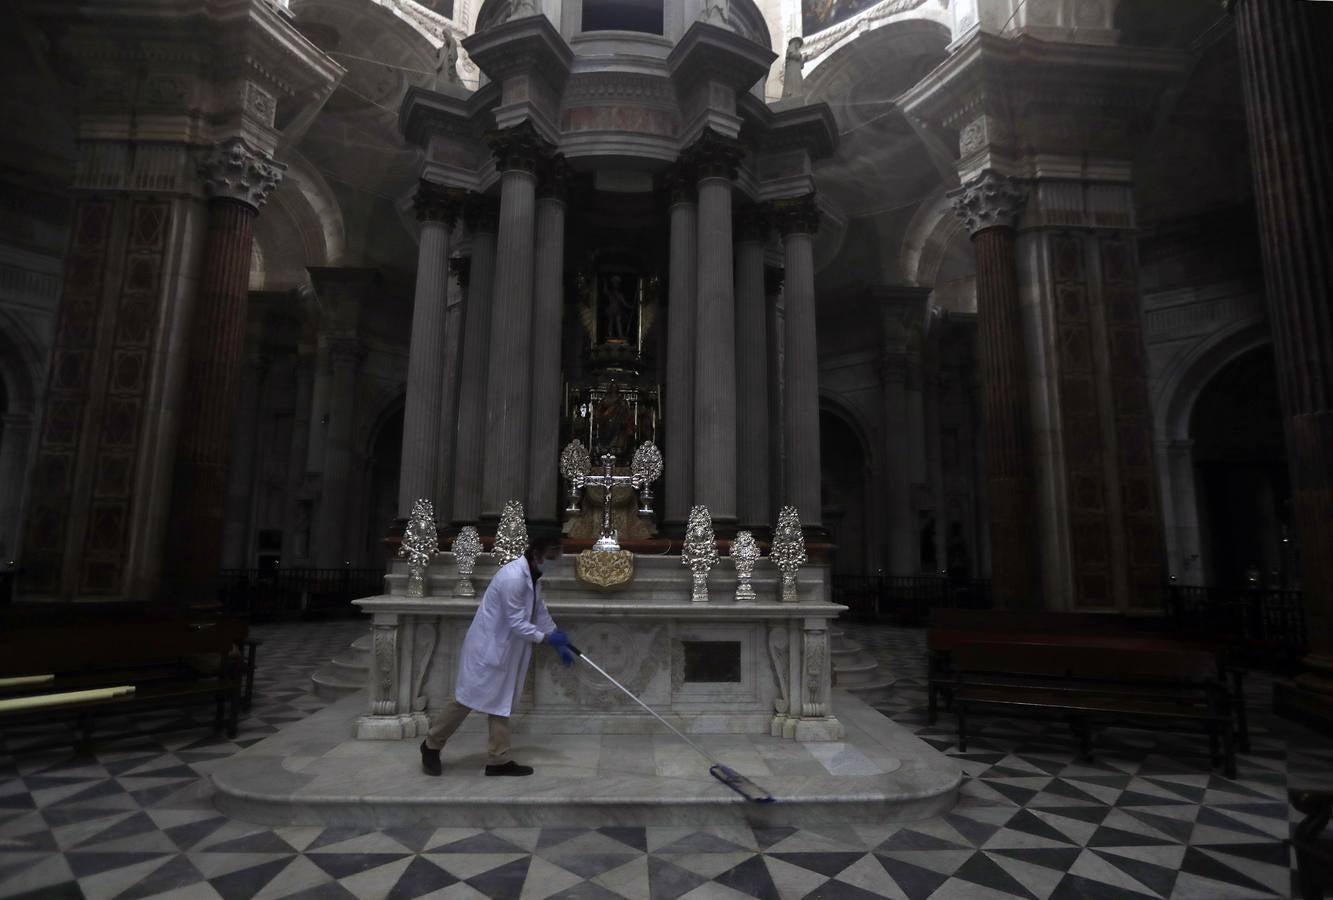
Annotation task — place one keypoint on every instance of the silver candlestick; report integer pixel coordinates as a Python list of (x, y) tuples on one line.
[(699, 554), (744, 554), (466, 548)]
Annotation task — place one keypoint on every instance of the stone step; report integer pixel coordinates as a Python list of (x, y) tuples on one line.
[(329, 685), (857, 672), (348, 666), (844, 648), (881, 689)]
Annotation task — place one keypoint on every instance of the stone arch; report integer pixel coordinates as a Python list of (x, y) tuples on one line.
[(1177, 392), (848, 508), (302, 226), (1181, 384), (936, 243)]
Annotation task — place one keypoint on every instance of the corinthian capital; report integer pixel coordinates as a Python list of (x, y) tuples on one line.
[(234, 170), (990, 200)]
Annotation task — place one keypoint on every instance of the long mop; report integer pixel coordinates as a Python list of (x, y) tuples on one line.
[(728, 776)]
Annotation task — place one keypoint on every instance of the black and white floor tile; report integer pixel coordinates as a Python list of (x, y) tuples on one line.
[(1146, 818)]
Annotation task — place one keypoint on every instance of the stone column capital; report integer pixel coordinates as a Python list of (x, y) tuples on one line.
[(678, 183), (234, 170), (461, 268), (751, 224), (714, 156), (518, 148), (990, 200), (438, 203), (481, 213), (796, 215), (553, 178)]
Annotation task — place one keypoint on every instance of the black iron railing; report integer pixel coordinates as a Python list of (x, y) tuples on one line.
[(296, 593), (907, 599), (1268, 624)]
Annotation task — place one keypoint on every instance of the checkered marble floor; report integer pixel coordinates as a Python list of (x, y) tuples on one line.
[(1146, 818)]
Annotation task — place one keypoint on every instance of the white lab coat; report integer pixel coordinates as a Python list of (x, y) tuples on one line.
[(495, 654)]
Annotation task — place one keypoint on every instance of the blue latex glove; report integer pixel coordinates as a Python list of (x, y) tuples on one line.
[(559, 642)]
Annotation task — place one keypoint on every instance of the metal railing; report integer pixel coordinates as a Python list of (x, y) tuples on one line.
[(907, 599), (1268, 624), (295, 592)]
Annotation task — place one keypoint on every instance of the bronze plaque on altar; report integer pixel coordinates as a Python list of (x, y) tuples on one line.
[(605, 570)]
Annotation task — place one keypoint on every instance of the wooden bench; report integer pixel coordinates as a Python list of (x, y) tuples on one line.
[(1095, 686), (173, 663), (955, 628)]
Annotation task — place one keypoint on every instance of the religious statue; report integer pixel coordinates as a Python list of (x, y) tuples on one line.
[(619, 310), (699, 554), (420, 544), (793, 79), (446, 64)]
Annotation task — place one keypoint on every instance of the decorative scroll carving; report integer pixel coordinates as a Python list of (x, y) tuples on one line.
[(744, 554), (778, 655), (420, 544), (232, 169), (430, 630), (466, 548), (511, 537), (990, 200), (699, 554), (788, 552), (384, 646), (815, 652)]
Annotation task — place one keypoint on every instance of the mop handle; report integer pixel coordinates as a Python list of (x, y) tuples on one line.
[(579, 653)]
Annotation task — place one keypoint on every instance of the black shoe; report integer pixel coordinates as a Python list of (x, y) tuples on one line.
[(430, 760), (509, 768)]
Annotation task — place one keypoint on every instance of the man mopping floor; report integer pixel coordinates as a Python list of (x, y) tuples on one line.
[(510, 619)]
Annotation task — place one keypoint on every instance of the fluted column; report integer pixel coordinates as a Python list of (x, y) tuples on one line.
[(437, 209), (296, 520), (470, 445), (330, 550), (239, 180), (715, 461), (1287, 76), (777, 354), (682, 283), (797, 220), (547, 315), (237, 542), (990, 206), (509, 369), (903, 545), (752, 423), (450, 375)]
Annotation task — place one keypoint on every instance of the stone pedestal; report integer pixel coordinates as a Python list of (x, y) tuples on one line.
[(761, 667)]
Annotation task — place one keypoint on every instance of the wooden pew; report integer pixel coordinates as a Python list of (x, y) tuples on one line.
[(1089, 686), (173, 663), (953, 628)]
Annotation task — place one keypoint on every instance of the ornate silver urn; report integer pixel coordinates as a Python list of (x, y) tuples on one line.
[(744, 554), (466, 548), (788, 551), (420, 544), (699, 554)]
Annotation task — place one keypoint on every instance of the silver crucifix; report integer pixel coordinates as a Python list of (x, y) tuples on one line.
[(645, 468)]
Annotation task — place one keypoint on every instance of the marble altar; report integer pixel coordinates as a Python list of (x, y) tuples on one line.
[(717, 667)]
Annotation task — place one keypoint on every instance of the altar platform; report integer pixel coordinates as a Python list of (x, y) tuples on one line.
[(315, 772)]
